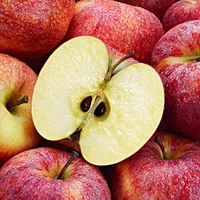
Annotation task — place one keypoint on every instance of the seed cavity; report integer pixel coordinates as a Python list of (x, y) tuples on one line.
[(100, 110), (86, 103)]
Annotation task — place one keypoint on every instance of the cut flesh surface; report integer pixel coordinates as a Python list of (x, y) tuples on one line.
[(73, 72), (134, 99)]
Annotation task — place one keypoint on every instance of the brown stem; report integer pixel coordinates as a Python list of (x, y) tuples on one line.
[(73, 156), (11, 105), (113, 67), (160, 144)]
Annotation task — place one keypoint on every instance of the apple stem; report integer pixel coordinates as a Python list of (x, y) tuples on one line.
[(113, 67), (72, 157), (161, 147), (11, 105)]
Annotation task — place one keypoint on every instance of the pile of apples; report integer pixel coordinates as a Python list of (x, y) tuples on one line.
[(99, 100)]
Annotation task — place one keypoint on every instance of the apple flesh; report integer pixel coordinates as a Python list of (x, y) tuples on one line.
[(31, 29), (167, 167), (110, 113), (158, 7), (123, 27), (17, 132), (176, 58), (181, 11), (33, 174)]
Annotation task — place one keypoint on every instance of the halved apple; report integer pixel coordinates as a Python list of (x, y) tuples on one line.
[(110, 113)]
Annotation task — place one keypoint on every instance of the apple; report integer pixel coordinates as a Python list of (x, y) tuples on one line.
[(35, 174), (176, 58), (123, 27), (31, 29), (158, 7), (106, 110), (167, 167), (181, 11), (17, 131)]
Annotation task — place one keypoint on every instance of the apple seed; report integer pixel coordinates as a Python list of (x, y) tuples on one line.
[(100, 110), (86, 103)]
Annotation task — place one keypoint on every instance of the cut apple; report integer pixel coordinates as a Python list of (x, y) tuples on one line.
[(79, 97)]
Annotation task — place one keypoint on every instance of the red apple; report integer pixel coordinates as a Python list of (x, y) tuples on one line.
[(181, 11), (176, 58), (34, 174), (158, 7), (167, 167), (17, 132), (121, 26), (31, 29)]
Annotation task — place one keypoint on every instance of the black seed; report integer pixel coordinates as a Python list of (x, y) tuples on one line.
[(86, 103), (100, 109)]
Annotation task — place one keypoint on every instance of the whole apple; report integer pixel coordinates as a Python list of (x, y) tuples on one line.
[(34, 174), (158, 7), (167, 167), (181, 11), (123, 27), (29, 29), (176, 58), (17, 132)]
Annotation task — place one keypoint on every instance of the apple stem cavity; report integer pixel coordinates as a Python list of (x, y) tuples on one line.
[(160, 144), (11, 105), (72, 157), (76, 135), (114, 66)]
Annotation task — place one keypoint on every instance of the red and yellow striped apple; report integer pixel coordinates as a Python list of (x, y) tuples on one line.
[(34, 174), (176, 58), (167, 167), (158, 7), (17, 132), (181, 11), (123, 27), (30, 29)]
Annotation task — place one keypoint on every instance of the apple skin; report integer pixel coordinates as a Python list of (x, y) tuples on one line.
[(32, 175), (146, 175), (31, 29), (123, 27), (181, 11), (17, 131), (158, 7), (180, 78)]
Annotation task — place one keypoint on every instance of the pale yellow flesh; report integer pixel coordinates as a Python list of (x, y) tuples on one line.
[(136, 99), (74, 71)]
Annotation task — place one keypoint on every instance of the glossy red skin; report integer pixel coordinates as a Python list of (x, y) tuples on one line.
[(29, 175), (181, 81), (121, 26), (182, 98), (182, 40), (29, 29), (181, 11), (146, 176), (158, 7)]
